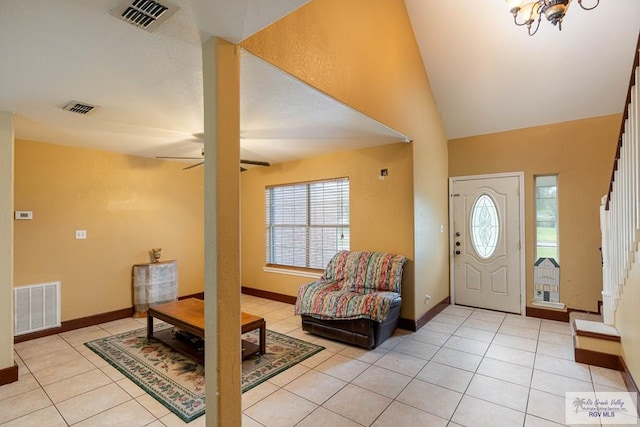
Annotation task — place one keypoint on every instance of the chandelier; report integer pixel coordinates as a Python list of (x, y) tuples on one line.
[(527, 12)]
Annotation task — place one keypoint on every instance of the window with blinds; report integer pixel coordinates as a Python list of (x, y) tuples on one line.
[(307, 223)]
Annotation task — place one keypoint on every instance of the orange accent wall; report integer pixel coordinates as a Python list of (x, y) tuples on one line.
[(127, 205), (581, 152), (364, 53)]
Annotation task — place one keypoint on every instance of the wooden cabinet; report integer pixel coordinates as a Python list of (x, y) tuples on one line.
[(154, 283)]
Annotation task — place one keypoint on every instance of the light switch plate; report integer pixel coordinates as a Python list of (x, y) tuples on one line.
[(81, 234), (24, 215)]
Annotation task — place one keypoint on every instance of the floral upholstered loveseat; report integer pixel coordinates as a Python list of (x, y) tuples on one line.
[(357, 300)]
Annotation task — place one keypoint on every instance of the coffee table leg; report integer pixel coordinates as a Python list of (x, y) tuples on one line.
[(263, 338), (149, 326)]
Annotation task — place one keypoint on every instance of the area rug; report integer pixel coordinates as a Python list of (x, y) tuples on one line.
[(177, 381)]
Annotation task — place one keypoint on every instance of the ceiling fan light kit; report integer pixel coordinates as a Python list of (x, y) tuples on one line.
[(526, 13)]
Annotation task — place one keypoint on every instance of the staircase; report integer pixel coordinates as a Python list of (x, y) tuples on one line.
[(594, 342)]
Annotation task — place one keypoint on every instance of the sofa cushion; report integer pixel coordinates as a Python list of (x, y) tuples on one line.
[(365, 272), (329, 300)]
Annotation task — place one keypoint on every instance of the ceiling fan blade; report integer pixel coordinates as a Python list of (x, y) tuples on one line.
[(254, 162), (178, 158), (193, 166)]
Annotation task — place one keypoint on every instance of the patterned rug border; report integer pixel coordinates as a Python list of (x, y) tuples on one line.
[(272, 336)]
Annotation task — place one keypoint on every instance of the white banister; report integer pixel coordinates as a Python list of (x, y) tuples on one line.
[(620, 209)]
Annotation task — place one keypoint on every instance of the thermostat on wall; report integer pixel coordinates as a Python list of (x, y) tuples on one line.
[(24, 214)]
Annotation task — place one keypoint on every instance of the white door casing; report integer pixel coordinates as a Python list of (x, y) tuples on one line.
[(487, 254)]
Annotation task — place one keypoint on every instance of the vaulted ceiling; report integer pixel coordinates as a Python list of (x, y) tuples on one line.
[(486, 74)]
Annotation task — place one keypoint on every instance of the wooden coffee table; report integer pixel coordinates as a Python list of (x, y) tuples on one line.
[(186, 314), (249, 323)]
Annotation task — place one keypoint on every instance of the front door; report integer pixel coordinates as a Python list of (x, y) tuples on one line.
[(486, 263)]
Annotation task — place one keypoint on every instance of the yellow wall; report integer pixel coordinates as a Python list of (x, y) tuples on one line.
[(581, 153), (127, 205), (364, 53), (381, 211), (627, 319)]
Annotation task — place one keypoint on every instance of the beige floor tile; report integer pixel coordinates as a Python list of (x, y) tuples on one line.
[(401, 363), (450, 318), (342, 367), (399, 414), (43, 346), (324, 417), (555, 350), (482, 324), (392, 341), (446, 376), (23, 404), (130, 387), (47, 360), (556, 338), (503, 393), (112, 372), (467, 345), (289, 375), (567, 368), (521, 321), (91, 356), (256, 394), (329, 345), (91, 403), (511, 355), (172, 420), (519, 343), (282, 313), (489, 316), (554, 326), (417, 349), (430, 398), (480, 413), (81, 336), (430, 337), (74, 386), (458, 310), (120, 326), (247, 421), (130, 414), (516, 331), (382, 381), (364, 355), (47, 417), (369, 404), (282, 327), (506, 371), (25, 383), (474, 334), (533, 421), (457, 359), (64, 370), (607, 377), (315, 386), (434, 325), (558, 384), (281, 409), (546, 406)]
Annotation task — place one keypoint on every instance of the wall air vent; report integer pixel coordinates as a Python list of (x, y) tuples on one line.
[(145, 14), (79, 107)]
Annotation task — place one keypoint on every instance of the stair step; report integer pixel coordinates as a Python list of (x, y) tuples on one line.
[(593, 329)]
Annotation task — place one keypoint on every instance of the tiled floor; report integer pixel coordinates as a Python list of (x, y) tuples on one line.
[(465, 367)]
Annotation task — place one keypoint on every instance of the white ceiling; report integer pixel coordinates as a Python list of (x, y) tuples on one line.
[(485, 73)]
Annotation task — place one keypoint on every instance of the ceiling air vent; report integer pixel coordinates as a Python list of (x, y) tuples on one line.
[(145, 14), (79, 107)]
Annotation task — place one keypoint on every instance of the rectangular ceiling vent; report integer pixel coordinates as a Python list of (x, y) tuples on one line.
[(79, 107), (145, 14)]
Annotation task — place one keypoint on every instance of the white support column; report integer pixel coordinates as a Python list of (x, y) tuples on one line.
[(6, 241)]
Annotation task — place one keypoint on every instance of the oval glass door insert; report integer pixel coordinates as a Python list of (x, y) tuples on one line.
[(485, 226)]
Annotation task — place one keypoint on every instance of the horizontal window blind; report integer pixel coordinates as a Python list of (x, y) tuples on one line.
[(307, 223)]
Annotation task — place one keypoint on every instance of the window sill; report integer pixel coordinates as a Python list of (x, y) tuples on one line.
[(290, 272)]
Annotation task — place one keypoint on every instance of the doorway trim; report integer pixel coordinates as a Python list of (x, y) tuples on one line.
[(523, 275)]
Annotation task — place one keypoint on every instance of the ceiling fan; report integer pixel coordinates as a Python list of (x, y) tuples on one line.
[(201, 162)]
